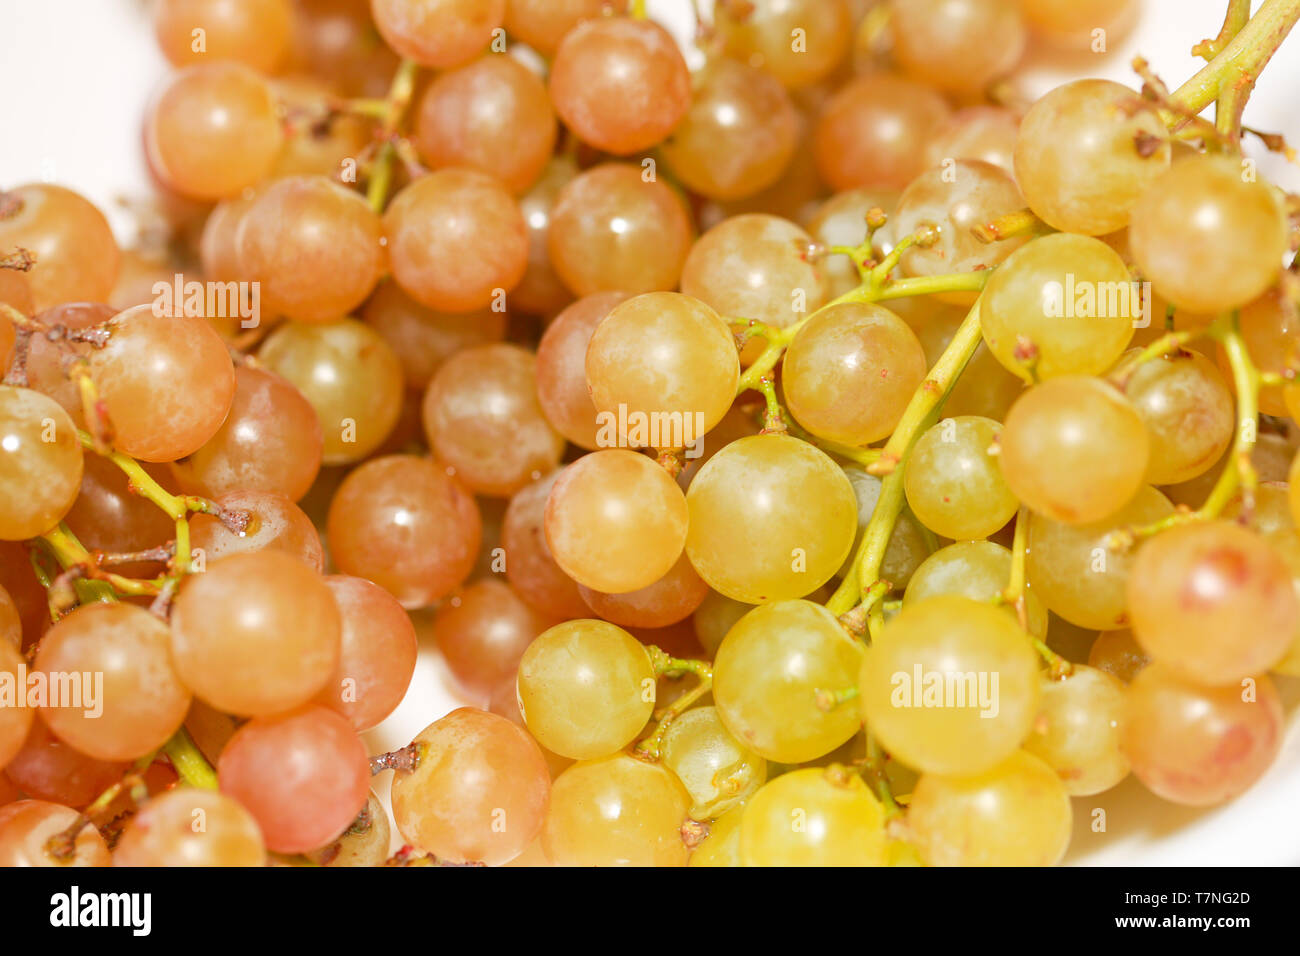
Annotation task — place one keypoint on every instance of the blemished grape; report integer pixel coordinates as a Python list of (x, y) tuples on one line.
[(492, 115), (213, 131), (482, 417), (314, 146), (438, 33), (377, 650), (851, 371), (1078, 730), (138, 698), (77, 258), (166, 832), (957, 45), (722, 846), (586, 688), (274, 524), (457, 241), (612, 230), (1016, 813), (1087, 151), (541, 291), (767, 675), (1118, 654), (364, 843), (402, 522), (615, 521), (950, 685), (562, 368), (1200, 745), (48, 769), (954, 485), (1213, 601), (842, 823), (530, 567), (873, 132), (1208, 237), (842, 221), (984, 133), (907, 546), (270, 441), (979, 570), (616, 811), (303, 775), (27, 827), (672, 598), (349, 374), (15, 722), (717, 770), (253, 32), (256, 633), (1062, 304), (1188, 412), (479, 793), (40, 463), (760, 33), (167, 383), (483, 632), (1075, 570), (1074, 449), (738, 135)]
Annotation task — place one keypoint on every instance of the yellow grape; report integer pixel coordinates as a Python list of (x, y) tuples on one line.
[(1078, 730), (813, 817), (979, 570), (954, 485), (717, 770), (722, 846)]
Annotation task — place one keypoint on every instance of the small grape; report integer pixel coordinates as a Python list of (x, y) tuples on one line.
[(166, 832), (1078, 730), (954, 485), (717, 770), (842, 822)]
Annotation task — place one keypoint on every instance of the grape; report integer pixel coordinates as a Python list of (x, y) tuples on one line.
[(1062, 305), (741, 421), (256, 633), (717, 770), (613, 230), (842, 221), (722, 845), (482, 417), (15, 722), (167, 383), (979, 570), (674, 597), (48, 769), (619, 84), (483, 632), (762, 33), (851, 371), (252, 32), (275, 524), (616, 811), (456, 240), (213, 131), (615, 521), (1077, 572), (271, 441), (907, 546), (985, 133), (16, 291), (39, 479), (365, 843), (562, 367), (11, 623), (738, 135), (542, 24), (27, 826), (1199, 745), (1207, 239), (303, 775), (316, 146), (405, 524), (756, 267), (959, 46), (541, 291), (109, 516), (715, 616), (1187, 408), (218, 248), (77, 258), (314, 247), (1118, 654), (504, 702), (767, 676), (189, 827), (771, 518), (954, 485), (492, 115), (813, 817), (1075, 23), (351, 377), (1270, 329), (530, 568), (1213, 601), (479, 792), (586, 688), (337, 39), (438, 33), (377, 651), (874, 131), (1074, 449), (1087, 151), (985, 388), (1016, 813), (950, 685), (1078, 730)]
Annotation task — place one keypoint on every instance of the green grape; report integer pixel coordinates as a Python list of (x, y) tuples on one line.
[(979, 570), (1187, 408), (950, 685), (813, 817), (953, 483), (722, 846), (1078, 730), (717, 770), (769, 672), (1016, 813)]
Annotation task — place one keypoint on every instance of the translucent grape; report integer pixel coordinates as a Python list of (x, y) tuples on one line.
[(438, 33), (717, 770), (542, 24), (77, 258), (562, 368), (672, 598), (1074, 23), (985, 133), (760, 32), (1078, 730), (957, 45), (722, 845), (541, 291), (167, 832), (841, 823), (979, 570), (530, 568), (483, 632), (954, 485), (39, 478), (1188, 412), (252, 32), (274, 523)]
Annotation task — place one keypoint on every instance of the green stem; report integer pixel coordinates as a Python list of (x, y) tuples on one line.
[(189, 761), (1241, 60), (397, 101)]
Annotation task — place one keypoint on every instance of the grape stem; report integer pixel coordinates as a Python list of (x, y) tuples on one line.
[(650, 748), (828, 700), (406, 759), (1014, 595), (63, 845), (1237, 16), (192, 767), (396, 103), (875, 769)]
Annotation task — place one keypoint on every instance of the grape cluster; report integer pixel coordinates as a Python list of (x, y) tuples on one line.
[(824, 456)]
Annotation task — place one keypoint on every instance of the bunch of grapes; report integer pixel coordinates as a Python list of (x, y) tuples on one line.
[(824, 456)]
